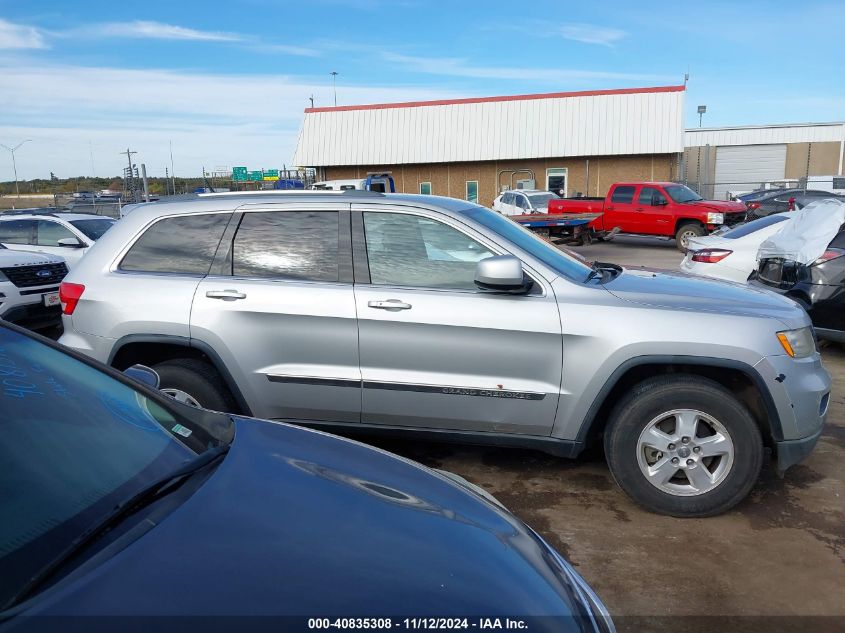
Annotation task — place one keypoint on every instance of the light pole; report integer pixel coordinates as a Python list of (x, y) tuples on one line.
[(701, 110), (334, 85), (12, 150)]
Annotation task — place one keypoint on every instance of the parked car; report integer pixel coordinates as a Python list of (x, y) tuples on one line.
[(523, 201), (116, 496), (373, 182), (780, 201), (441, 319), (67, 235), (732, 254), (29, 288), (654, 208), (813, 278), (801, 201)]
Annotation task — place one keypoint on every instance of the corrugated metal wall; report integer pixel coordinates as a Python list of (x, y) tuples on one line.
[(536, 127), (765, 135)]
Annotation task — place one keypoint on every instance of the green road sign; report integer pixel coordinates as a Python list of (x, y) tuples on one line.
[(271, 172), (239, 174), (255, 176)]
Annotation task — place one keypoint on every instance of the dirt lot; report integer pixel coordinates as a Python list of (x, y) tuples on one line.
[(780, 553)]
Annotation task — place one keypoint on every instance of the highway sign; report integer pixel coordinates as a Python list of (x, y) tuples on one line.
[(255, 176), (239, 174)]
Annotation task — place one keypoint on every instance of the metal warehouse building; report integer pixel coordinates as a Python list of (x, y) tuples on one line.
[(732, 159), (578, 142)]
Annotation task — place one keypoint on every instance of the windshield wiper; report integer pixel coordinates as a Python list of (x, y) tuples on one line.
[(148, 495)]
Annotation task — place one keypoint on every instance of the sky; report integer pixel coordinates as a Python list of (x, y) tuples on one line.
[(226, 84)]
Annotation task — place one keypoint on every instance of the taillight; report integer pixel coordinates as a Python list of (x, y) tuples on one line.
[(791, 205), (831, 253), (69, 295), (753, 205), (710, 255)]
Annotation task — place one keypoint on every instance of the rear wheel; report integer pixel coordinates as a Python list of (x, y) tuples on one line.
[(195, 383), (683, 446), (687, 231)]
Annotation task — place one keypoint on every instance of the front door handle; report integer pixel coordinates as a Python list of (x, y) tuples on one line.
[(225, 295), (389, 304)]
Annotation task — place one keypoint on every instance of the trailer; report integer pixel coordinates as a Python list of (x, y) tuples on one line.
[(562, 228)]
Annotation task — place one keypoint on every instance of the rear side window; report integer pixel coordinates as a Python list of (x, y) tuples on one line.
[(288, 245), (755, 225), (623, 195), (17, 231), (185, 245)]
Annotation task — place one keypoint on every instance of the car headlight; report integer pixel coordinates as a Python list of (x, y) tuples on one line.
[(715, 218), (798, 343)]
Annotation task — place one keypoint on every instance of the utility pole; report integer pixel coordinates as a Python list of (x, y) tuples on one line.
[(334, 85), (172, 171), (91, 154), (312, 100), (12, 150), (129, 185)]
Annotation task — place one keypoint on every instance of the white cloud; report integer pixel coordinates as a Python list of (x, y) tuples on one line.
[(20, 36), (146, 29), (458, 67), (590, 34), (213, 119), (287, 49)]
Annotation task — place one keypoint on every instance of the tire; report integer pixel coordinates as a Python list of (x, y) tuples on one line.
[(664, 401), (197, 380), (685, 232)]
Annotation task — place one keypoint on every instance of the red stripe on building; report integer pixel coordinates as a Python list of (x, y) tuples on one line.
[(548, 95)]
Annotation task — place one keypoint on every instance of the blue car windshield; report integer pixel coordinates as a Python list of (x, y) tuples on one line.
[(76, 442), (537, 247)]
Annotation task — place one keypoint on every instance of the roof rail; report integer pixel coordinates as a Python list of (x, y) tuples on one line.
[(42, 211), (291, 192)]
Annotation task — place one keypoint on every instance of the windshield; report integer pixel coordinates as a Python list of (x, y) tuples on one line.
[(76, 442), (682, 193), (753, 226), (94, 228), (541, 199), (527, 241)]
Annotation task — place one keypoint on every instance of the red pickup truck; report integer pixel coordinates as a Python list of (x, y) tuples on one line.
[(653, 208)]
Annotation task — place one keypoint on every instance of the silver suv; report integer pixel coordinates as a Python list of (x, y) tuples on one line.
[(437, 317)]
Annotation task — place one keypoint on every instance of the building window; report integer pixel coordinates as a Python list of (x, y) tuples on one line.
[(472, 190), (425, 188), (556, 180)]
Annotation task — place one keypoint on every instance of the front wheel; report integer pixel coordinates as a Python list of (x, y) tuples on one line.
[(685, 233), (683, 446)]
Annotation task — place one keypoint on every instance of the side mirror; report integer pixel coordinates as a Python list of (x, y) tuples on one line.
[(660, 202), (144, 375), (502, 273), (70, 242)]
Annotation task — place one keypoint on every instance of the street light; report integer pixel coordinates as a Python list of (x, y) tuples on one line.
[(12, 150), (701, 110), (334, 85)]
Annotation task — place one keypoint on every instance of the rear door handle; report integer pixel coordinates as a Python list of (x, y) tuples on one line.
[(225, 295), (389, 304)]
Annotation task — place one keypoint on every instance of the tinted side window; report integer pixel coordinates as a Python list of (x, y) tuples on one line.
[(650, 196), (623, 195), (409, 250), (184, 245), (507, 198), (49, 233), (17, 231), (288, 245)]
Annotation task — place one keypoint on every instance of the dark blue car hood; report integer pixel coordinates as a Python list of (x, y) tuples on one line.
[(304, 523)]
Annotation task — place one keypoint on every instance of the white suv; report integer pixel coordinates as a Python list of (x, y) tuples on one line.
[(29, 288), (66, 235)]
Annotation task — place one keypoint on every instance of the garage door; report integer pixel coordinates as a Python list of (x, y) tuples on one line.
[(744, 167)]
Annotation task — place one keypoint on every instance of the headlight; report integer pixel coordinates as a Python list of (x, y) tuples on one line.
[(715, 218), (798, 343)]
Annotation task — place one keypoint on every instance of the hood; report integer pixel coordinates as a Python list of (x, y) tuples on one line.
[(723, 206), (680, 291), (12, 258), (297, 522)]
